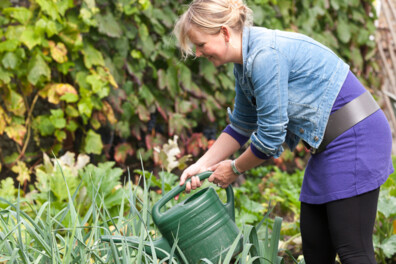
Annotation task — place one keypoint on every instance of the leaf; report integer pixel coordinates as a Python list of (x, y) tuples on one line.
[(55, 91), (108, 111), (343, 30), (143, 112), (386, 203), (4, 120), (122, 151), (44, 125), (14, 103), (37, 69), (389, 246), (16, 132), (57, 119), (9, 45), (20, 14), (69, 98), (5, 76), (49, 7), (85, 107), (7, 188), (108, 25), (92, 57), (31, 38), (22, 171), (176, 123), (10, 60), (58, 51), (93, 143)]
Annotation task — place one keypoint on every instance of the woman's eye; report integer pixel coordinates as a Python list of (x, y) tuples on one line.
[(201, 45)]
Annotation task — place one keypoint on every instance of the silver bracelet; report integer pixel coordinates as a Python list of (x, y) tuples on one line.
[(234, 168)]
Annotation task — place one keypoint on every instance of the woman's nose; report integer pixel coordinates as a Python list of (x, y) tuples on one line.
[(198, 53)]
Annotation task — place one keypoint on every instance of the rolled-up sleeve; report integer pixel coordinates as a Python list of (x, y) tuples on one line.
[(269, 77), (244, 117)]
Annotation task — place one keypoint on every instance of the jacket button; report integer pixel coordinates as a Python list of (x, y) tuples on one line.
[(301, 130), (316, 138)]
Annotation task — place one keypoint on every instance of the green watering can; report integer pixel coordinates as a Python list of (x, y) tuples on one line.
[(203, 225)]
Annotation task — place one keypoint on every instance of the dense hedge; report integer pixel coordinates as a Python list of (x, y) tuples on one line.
[(105, 78)]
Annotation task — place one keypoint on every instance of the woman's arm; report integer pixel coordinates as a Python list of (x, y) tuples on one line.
[(224, 146)]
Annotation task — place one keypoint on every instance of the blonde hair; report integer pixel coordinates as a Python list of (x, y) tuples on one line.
[(209, 16)]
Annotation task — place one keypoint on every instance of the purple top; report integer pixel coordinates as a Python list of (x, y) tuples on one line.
[(357, 161)]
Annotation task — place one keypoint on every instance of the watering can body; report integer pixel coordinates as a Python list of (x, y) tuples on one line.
[(202, 225)]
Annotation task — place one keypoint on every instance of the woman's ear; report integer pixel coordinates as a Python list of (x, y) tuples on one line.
[(226, 33)]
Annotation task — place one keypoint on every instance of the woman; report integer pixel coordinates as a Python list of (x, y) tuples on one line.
[(287, 87)]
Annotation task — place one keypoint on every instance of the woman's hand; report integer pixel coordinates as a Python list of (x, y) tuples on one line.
[(223, 174), (190, 172)]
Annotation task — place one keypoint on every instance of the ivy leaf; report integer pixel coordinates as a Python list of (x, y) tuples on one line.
[(109, 26), (122, 151), (69, 98), (5, 76), (93, 143), (58, 51), (30, 37), (176, 123), (108, 111), (143, 112), (208, 70), (49, 8), (92, 57), (343, 30), (4, 120), (85, 107), (37, 68), (44, 125), (16, 132), (10, 60), (9, 45), (14, 102), (146, 94), (20, 14), (55, 91), (22, 171), (57, 119)]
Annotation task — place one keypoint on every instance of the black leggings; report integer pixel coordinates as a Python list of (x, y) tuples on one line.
[(343, 227)]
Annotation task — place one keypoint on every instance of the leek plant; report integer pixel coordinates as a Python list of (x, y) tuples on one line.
[(43, 235)]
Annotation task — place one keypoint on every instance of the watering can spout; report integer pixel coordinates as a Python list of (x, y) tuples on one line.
[(161, 245)]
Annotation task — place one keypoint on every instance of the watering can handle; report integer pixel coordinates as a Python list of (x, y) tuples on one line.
[(175, 191)]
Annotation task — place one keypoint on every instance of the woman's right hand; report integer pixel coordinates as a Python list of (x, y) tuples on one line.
[(190, 172)]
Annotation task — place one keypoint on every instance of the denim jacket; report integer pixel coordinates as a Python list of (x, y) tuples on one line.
[(285, 89)]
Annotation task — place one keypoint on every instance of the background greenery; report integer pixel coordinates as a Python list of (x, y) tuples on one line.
[(105, 77), (100, 84)]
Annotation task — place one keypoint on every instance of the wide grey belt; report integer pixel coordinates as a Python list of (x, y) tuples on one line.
[(346, 117)]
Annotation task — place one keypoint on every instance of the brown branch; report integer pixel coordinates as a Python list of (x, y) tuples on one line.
[(28, 127)]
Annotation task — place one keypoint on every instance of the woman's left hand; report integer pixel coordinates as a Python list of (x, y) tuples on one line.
[(223, 174)]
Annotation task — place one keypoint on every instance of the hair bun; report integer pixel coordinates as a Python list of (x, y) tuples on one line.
[(236, 4)]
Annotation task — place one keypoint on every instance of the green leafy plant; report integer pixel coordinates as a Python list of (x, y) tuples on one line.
[(385, 228), (102, 77)]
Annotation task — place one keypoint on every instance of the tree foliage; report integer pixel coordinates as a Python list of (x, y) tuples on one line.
[(105, 77)]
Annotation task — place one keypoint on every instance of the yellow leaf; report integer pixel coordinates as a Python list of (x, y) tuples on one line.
[(22, 171), (54, 91), (108, 111), (58, 51), (4, 120), (16, 132)]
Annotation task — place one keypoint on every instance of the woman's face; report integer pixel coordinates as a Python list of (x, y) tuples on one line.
[(213, 47)]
